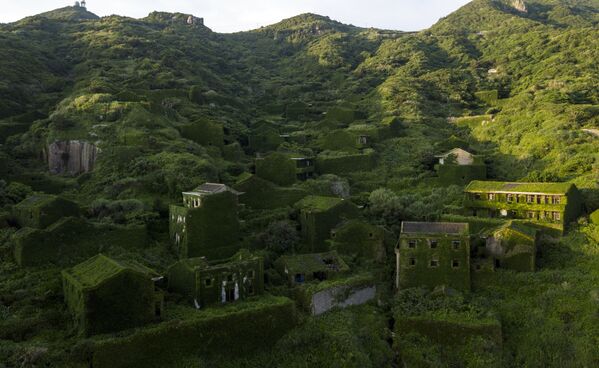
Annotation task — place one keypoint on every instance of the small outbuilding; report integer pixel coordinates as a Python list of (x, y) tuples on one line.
[(513, 247), (42, 210), (105, 295), (301, 268)]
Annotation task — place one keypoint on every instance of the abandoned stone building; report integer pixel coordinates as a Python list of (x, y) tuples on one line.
[(359, 239), (302, 268), (551, 205), (284, 169), (105, 295), (431, 254), (513, 246), (459, 167), (318, 215), (207, 224), (239, 277), (42, 210)]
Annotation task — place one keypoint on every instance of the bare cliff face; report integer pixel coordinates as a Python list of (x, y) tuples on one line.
[(71, 157), (519, 5)]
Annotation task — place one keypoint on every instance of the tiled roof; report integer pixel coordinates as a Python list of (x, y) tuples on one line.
[(515, 187), (456, 228)]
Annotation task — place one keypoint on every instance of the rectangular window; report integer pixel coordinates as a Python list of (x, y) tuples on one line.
[(207, 282), (530, 199), (412, 244), (557, 216), (491, 196), (230, 278), (510, 198), (433, 243), (251, 289), (557, 200), (531, 215), (455, 244), (477, 196), (251, 274), (455, 263), (434, 263), (412, 262)]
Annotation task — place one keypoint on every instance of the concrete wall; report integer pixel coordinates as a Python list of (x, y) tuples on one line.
[(341, 296)]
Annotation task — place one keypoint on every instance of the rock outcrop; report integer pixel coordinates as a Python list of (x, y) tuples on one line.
[(71, 157), (519, 5)]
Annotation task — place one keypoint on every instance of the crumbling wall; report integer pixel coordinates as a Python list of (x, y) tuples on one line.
[(341, 296), (71, 157)]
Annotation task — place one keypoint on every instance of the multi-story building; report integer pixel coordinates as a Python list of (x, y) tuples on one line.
[(431, 254), (207, 224), (551, 205)]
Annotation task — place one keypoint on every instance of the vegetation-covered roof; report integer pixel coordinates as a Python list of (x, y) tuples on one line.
[(456, 228), (513, 187), (100, 268), (314, 262), (319, 203), (38, 200)]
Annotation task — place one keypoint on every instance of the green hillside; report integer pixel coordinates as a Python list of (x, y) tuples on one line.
[(149, 108)]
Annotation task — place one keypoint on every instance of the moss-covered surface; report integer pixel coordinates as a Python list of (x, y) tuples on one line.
[(262, 194), (277, 168), (240, 277), (72, 239), (238, 329), (40, 211), (105, 295), (359, 239)]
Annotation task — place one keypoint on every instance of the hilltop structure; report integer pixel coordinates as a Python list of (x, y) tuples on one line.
[(240, 277), (551, 205), (433, 254), (105, 295), (207, 224)]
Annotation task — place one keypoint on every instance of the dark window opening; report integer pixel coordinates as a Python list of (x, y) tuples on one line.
[(300, 278), (497, 263), (412, 262), (229, 278), (412, 244), (455, 263), (371, 235), (157, 309), (478, 267), (230, 295), (251, 290), (252, 274), (456, 244), (320, 275), (208, 282), (433, 243), (434, 263)]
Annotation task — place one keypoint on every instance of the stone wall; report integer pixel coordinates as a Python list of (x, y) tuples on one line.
[(71, 157), (341, 296)]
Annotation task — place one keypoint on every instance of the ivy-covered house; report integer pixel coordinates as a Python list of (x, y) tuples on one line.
[(105, 295), (459, 167), (552, 205), (204, 132), (284, 169), (42, 210), (513, 246), (239, 277), (360, 239), (259, 193), (301, 268), (207, 224), (431, 254), (318, 215)]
